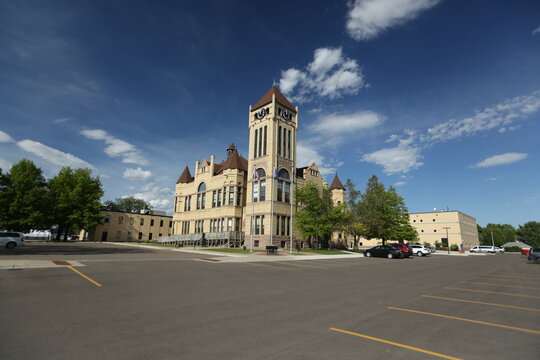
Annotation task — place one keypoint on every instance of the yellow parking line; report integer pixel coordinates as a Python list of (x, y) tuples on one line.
[(507, 280), (493, 292), (396, 344), (482, 303), (536, 332), (84, 276), (492, 284)]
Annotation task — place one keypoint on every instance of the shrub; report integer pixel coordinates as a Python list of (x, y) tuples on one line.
[(427, 244), (512, 249), (454, 247)]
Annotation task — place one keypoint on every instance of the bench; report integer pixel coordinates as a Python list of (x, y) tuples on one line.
[(271, 249)]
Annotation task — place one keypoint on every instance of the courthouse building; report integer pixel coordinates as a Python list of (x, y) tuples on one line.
[(243, 201)]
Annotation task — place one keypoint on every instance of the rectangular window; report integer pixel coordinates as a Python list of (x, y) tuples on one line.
[(229, 224), (224, 201), (255, 142), (160, 223), (256, 243), (288, 231), (283, 225), (219, 197), (280, 190), (118, 235), (287, 192), (203, 201), (142, 221), (289, 145), (265, 140), (262, 225), (277, 225), (239, 197), (279, 141), (255, 191), (257, 225), (198, 201), (107, 219), (130, 236), (260, 141), (131, 220), (150, 236), (237, 224), (284, 141), (140, 236), (120, 219), (214, 199), (262, 193), (231, 195), (189, 203), (170, 224), (151, 222), (185, 203)]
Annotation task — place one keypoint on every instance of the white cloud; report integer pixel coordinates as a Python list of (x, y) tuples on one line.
[(62, 120), (397, 160), (137, 174), (537, 30), (306, 154), (368, 18), (330, 74), (347, 123), (5, 165), (499, 117), (502, 159), (53, 156), (399, 183), (116, 147), (157, 196), (4, 137)]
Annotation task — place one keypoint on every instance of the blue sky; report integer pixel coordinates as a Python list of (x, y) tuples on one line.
[(438, 98)]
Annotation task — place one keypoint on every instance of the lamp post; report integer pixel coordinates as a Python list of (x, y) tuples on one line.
[(447, 238)]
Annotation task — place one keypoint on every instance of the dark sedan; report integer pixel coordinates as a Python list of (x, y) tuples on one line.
[(384, 251)]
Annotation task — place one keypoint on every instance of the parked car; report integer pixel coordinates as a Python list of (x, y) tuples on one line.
[(384, 251), (11, 239), (525, 251), (406, 249), (420, 250), (483, 249), (534, 255), (499, 250), (432, 249)]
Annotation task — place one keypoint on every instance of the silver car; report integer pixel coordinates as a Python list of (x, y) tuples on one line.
[(11, 239)]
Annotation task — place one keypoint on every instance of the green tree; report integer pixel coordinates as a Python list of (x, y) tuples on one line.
[(23, 197), (317, 218), (353, 226), (529, 233), (383, 213), (502, 233), (127, 204), (405, 232), (75, 198)]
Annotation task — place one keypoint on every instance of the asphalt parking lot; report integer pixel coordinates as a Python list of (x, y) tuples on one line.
[(103, 301)]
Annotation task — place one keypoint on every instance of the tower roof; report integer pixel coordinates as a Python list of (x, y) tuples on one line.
[(234, 161), (336, 184), (185, 177), (267, 98)]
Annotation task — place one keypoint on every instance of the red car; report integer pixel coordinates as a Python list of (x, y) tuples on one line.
[(406, 249)]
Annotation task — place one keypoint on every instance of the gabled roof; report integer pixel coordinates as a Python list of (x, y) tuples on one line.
[(185, 177), (205, 163), (336, 184), (267, 98)]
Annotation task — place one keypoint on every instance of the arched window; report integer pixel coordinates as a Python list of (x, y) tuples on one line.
[(201, 196), (283, 174), (259, 186)]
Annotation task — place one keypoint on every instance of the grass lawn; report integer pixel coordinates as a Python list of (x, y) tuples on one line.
[(321, 252)]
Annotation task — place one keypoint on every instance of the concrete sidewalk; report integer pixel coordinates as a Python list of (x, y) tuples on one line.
[(247, 257)]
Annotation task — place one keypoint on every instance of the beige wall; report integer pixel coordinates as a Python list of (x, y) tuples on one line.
[(431, 226), (120, 225)]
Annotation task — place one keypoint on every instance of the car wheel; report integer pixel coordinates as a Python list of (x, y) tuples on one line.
[(538, 260), (418, 253), (390, 256), (368, 254), (10, 245)]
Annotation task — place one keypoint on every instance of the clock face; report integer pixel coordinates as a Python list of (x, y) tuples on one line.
[(260, 114), (285, 113)]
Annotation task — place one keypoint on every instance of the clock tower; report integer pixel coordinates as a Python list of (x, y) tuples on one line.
[(273, 123)]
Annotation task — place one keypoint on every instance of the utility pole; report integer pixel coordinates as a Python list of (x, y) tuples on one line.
[(447, 238), (492, 241)]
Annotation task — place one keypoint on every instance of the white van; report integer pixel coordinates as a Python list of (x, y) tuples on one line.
[(483, 249), (11, 239)]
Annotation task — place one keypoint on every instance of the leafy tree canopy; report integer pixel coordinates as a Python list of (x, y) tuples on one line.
[(529, 233), (502, 233), (127, 204)]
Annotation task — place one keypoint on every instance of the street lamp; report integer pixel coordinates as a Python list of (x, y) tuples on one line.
[(447, 238)]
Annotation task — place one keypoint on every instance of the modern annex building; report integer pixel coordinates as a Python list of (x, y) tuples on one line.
[(249, 201)]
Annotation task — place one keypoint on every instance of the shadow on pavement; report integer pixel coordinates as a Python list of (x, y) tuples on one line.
[(71, 249)]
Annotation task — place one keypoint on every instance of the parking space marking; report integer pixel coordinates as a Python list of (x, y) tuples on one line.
[(84, 276), (494, 292), (396, 344), (302, 265), (492, 278), (536, 332), (482, 303), (492, 284)]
